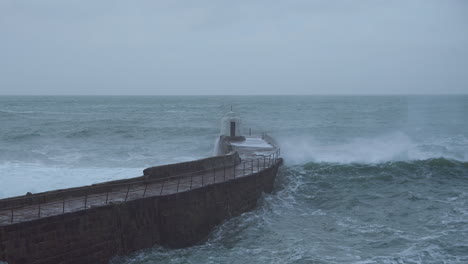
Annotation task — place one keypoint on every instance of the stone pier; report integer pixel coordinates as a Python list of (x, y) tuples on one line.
[(174, 205)]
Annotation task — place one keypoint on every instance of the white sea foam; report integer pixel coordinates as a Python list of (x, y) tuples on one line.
[(395, 146), (252, 142), (216, 147), (22, 178)]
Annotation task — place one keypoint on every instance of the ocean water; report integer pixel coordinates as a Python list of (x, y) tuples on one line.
[(366, 179)]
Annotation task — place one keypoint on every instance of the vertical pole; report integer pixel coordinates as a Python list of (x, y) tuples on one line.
[(144, 192), (252, 166), (214, 175), (63, 205), (86, 200), (107, 196), (39, 211), (258, 164), (162, 187), (178, 183), (126, 195)]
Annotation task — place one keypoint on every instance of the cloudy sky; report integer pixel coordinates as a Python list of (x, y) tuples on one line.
[(158, 47)]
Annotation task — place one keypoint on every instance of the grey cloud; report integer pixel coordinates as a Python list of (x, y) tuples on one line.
[(233, 47)]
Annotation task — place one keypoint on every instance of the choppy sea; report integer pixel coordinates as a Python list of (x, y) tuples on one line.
[(366, 179)]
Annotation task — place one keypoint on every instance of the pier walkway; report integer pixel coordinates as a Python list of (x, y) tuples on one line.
[(256, 155)]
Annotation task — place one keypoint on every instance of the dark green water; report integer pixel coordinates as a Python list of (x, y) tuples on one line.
[(367, 179)]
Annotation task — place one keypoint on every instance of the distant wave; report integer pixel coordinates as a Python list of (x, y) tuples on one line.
[(82, 133), (12, 137), (390, 147), (10, 112), (7, 113)]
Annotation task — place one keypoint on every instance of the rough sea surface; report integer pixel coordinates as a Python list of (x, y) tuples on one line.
[(366, 179)]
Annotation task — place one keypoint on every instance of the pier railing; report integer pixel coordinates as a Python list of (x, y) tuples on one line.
[(122, 192)]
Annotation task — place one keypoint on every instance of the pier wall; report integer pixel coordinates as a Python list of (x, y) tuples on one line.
[(192, 166), (97, 234)]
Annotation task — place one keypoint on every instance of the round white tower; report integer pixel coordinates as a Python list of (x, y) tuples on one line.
[(231, 125)]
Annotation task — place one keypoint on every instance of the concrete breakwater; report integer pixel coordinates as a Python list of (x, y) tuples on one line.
[(173, 205)]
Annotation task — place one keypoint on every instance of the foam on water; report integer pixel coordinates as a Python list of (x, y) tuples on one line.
[(33, 178), (395, 146), (253, 143), (216, 146)]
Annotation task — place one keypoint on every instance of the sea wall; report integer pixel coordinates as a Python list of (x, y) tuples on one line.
[(97, 234)]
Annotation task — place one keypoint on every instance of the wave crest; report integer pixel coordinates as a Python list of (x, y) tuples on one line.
[(389, 147)]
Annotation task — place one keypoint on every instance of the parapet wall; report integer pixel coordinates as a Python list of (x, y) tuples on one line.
[(96, 235), (229, 159)]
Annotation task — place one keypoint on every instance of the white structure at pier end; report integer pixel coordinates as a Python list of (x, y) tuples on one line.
[(231, 125)]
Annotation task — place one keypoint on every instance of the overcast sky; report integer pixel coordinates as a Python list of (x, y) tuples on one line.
[(157, 47)]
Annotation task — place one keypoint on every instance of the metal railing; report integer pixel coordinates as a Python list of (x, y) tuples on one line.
[(122, 192)]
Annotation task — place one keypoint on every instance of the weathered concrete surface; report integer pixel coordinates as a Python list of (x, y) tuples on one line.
[(175, 212)]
